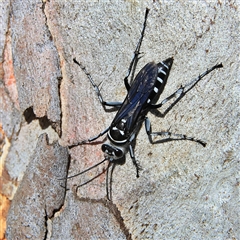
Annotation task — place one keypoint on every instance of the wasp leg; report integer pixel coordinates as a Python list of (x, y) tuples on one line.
[(96, 88), (135, 162), (168, 135), (109, 180), (133, 64), (181, 92), (90, 139)]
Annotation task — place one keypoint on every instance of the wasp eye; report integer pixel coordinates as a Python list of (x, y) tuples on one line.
[(118, 152), (104, 147)]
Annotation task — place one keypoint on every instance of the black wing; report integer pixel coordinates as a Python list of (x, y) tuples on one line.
[(137, 97)]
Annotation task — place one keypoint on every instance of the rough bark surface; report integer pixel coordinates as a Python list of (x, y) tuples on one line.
[(184, 191), (41, 192)]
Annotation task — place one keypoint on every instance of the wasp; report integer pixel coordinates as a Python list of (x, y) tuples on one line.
[(143, 92)]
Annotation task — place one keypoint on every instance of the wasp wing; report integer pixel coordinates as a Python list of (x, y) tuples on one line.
[(137, 97)]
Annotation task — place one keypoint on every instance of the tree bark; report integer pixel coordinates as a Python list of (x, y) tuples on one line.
[(184, 191)]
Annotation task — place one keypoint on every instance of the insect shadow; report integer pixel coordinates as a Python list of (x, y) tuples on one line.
[(143, 92)]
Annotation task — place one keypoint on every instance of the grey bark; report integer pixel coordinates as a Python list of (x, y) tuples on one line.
[(184, 191)]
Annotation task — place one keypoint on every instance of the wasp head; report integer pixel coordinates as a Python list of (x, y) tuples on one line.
[(112, 152)]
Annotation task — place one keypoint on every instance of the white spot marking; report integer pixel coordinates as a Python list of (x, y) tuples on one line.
[(166, 66), (155, 89), (159, 79), (122, 132), (161, 71), (148, 101), (116, 129)]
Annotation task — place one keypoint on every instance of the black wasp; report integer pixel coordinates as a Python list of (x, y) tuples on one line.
[(142, 96)]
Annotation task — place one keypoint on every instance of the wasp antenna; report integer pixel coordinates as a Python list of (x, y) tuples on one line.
[(86, 170), (85, 183)]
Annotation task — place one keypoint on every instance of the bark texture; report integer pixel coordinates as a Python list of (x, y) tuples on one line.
[(184, 191)]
